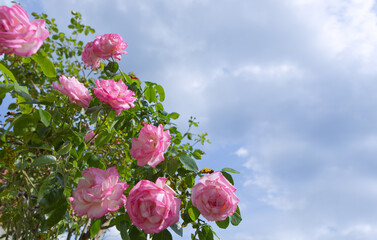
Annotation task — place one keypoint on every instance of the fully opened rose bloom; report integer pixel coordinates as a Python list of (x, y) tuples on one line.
[(98, 192), (116, 94), (89, 57), (18, 34), (76, 91), (214, 197), (149, 147), (152, 206), (109, 45)]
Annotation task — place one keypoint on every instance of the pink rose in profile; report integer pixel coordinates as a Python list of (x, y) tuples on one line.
[(109, 45), (89, 57), (214, 197), (18, 34), (90, 135), (152, 206), (98, 192), (149, 147), (76, 91), (116, 94)]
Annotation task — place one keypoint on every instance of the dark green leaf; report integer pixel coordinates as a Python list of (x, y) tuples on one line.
[(112, 67), (223, 224), (12, 106), (122, 227), (46, 65), (189, 163), (64, 149), (24, 125), (103, 138), (163, 235), (137, 234), (94, 229), (43, 160), (228, 177), (95, 161), (231, 170), (55, 214), (235, 219), (45, 117)]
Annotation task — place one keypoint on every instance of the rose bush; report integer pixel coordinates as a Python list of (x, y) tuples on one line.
[(18, 35), (77, 172), (150, 146), (152, 206)]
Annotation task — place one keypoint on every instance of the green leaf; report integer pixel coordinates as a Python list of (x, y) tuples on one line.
[(64, 149), (112, 67), (194, 213), (177, 228), (56, 213), (46, 65), (94, 229), (137, 234), (43, 160), (103, 138), (22, 91), (6, 71), (160, 91), (45, 117), (189, 163), (163, 235), (228, 177), (4, 88), (150, 94), (95, 161), (122, 227), (24, 125), (236, 218), (231, 170), (174, 115), (159, 107), (223, 224)]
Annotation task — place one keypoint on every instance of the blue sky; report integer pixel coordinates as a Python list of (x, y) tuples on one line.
[(285, 89)]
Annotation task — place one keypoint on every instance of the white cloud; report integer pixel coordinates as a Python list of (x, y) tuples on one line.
[(242, 152)]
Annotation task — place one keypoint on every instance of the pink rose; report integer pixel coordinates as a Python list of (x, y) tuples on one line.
[(90, 135), (89, 57), (109, 45), (76, 91), (152, 206), (149, 147), (214, 197), (18, 35), (98, 192), (115, 94)]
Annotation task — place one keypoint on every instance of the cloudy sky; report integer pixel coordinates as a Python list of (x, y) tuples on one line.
[(287, 91)]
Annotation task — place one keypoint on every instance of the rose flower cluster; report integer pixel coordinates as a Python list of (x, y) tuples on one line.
[(152, 206)]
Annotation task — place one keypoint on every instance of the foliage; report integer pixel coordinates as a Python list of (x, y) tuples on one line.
[(43, 149)]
